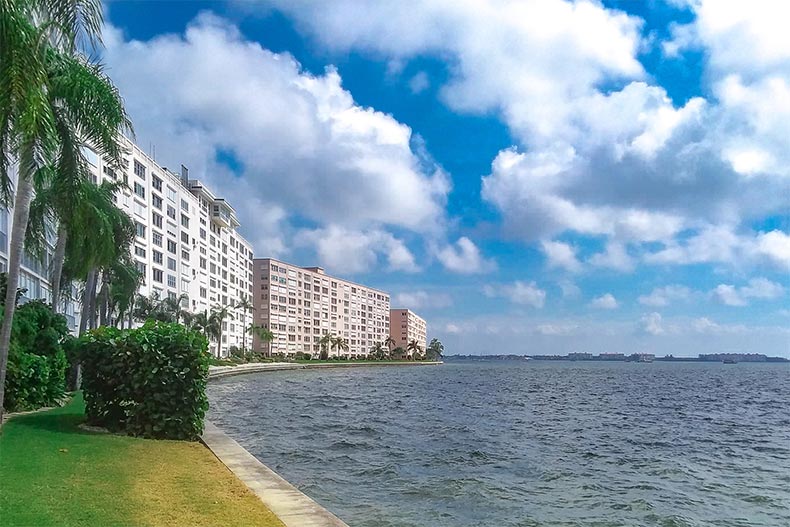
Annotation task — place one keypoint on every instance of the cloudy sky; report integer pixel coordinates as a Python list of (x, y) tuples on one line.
[(531, 176)]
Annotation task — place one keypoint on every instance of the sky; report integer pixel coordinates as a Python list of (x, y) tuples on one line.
[(530, 176)]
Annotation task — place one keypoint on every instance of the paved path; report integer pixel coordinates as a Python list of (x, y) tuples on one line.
[(255, 367), (293, 507)]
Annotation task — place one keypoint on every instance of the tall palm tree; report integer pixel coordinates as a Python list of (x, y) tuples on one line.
[(389, 342), (378, 351), (216, 320), (414, 349), (125, 278), (265, 335), (435, 349), (44, 88), (340, 344), (246, 306), (326, 342)]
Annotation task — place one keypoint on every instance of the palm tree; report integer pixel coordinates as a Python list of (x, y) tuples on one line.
[(414, 349), (326, 341), (264, 334), (340, 344), (216, 320), (435, 349), (246, 306), (389, 342), (378, 351), (45, 89)]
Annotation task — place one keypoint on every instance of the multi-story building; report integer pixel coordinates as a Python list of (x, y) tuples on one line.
[(301, 304), (406, 326), (34, 276), (187, 244)]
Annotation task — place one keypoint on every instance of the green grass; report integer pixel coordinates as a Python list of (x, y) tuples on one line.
[(349, 361), (54, 473)]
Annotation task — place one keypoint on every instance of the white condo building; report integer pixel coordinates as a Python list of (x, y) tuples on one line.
[(301, 304), (187, 240)]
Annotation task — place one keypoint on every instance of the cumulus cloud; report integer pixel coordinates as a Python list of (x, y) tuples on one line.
[(464, 257), (615, 256), (569, 289), (664, 296), (760, 288), (652, 324), (561, 255), (421, 300), (626, 162), (419, 83), (605, 301), (228, 107), (351, 251), (518, 292)]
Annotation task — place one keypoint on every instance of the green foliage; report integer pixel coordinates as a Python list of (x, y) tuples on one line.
[(37, 362), (148, 382)]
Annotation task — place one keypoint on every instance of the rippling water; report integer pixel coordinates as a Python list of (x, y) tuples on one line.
[(525, 443)]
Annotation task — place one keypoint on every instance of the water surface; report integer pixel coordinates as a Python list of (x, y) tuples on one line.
[(525, 443)]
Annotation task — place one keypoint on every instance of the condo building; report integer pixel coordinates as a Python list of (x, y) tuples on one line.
[(405, 326), (301, 304), (187, 243)]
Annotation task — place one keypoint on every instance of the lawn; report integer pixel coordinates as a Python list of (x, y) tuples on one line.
[(54, 473)]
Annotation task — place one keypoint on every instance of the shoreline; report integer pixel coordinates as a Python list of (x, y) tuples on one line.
[(217, 372), (292, 506)]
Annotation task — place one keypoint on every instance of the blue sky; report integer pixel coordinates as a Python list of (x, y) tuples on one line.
[(530, 176)]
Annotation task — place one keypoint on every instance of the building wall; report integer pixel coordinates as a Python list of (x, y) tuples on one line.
[(405, 326), (187, 240), (299, 305)]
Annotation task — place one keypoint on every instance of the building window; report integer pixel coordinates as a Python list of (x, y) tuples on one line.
[(171, 212), (171, 246), (202, 263), (171, 264), (157, 218), (157, 257), (139, 251), (156, 201), (171, 280), (139, 169), (156, 183), (158, 275), (185, 221), (139, 190), (185, 255), (202, 234), (184, 205), (140, 228), (157, 239), (185, 237), (172, 194)]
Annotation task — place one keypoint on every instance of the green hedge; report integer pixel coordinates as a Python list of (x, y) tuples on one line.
[(36, 374), (148, 382)]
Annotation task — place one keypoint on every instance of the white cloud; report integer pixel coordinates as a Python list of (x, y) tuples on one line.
[(626, 163), (304, 146), (464, 257), (557, 329), (561, 255), (761, 288), (606, 301), (651, 323), (350, 251), (569, 289), (518, 292), (421, 300), (664, 296), (419, 83), (453, 329), (615, 256)]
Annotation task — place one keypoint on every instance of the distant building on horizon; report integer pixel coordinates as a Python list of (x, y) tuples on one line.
[(302, 304), (405, 326)]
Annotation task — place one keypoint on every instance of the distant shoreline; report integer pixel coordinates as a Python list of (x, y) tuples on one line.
[(759, 359), (216, 372)]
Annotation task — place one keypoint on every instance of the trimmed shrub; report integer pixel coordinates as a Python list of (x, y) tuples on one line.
[(148, 382), (36, 374)]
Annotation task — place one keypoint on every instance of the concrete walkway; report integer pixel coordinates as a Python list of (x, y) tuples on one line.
[(293, 507), (255, 367)]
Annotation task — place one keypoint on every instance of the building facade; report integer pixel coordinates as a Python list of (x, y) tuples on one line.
[(187, 244), (299, 305), (405, 326)]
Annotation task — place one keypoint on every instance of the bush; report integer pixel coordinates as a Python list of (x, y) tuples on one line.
[(148, 382), (37, 364), (307, 356)]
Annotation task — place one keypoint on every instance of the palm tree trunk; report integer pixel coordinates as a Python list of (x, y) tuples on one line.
[(24, 193), (104, 293), (57, 266), (88, 297)]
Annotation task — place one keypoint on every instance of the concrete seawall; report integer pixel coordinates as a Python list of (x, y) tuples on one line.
[(216, 372), (289, 504)]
